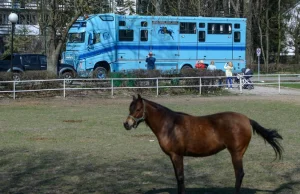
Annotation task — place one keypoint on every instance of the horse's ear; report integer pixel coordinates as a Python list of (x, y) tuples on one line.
[(139, 96), (133, 98)]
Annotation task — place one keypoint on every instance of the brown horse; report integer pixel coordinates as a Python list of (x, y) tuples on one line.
[(181, 134)]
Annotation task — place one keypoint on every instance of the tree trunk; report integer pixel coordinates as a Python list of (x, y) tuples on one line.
[(267, 37), (261, 39), (249, 46), (236, 7), (279, 35), (158, 6), (54, 42)]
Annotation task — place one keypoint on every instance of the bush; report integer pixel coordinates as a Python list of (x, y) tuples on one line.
[(173, 82), (31, 75)]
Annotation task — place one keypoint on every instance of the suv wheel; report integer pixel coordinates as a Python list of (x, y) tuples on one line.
[(16, 77)]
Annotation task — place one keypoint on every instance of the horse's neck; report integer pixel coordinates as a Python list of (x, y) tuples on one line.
[(154, 120)]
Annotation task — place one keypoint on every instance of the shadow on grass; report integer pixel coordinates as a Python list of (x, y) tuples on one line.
[(23, 171), (206, 191)]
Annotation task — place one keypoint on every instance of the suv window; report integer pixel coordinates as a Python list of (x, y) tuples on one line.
[(43, 59)]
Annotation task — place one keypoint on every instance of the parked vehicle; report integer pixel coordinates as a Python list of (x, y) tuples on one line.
[(33, 62), (102, 43)]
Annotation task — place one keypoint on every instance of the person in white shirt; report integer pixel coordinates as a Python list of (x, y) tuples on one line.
[(211, 66), (228, 67)]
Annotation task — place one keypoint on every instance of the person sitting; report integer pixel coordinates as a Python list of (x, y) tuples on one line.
[(200, 65)]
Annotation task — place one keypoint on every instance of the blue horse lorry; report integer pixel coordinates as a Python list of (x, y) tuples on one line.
[(101, 43)]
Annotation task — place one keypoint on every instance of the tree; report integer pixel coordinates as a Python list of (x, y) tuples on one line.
[(127, 8), (293, 31), (57, 17), (24, 42)]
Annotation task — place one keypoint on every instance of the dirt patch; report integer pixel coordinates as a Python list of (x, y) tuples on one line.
[(40, 139), (72, 121)]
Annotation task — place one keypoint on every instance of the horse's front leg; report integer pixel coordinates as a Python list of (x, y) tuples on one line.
[(177, 162)]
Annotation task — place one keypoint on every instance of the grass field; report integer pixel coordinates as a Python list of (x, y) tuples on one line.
[(80, 146), (292, 85)]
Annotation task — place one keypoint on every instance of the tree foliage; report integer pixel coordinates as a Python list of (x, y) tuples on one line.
[(266, 20), (266, 24)]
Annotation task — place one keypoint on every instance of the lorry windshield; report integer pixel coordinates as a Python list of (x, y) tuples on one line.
[(76, 37)]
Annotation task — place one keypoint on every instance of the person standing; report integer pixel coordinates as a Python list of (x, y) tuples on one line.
[(228, 67), (211, 66), (150, 61)]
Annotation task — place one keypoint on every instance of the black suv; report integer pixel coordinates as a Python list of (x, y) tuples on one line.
[(33, 62)]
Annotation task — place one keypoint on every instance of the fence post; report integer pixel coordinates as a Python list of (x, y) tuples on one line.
[(240, 79), (200, 86), (279, 83), (14, 90), (112, 87), (156, 86), (64, 88)]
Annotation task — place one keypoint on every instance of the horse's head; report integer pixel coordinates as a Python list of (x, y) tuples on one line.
[(136, 113)]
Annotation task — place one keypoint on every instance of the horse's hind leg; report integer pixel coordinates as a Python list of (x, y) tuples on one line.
[(177, 162), (237, 161)]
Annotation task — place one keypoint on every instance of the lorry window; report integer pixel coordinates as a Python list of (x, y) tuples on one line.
[(187, 28), (106, 18), (125, 35), (237, 26), (144, 24), (122, 23), (97, 38), (201, 25), (144, 35), (201, 36), (76, 37), (237, 37), (218, 28)]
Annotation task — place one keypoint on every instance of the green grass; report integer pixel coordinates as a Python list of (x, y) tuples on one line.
[(287, 85), (81, 146), (292, 85)]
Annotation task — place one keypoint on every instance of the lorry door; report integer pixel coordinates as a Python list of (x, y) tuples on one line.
[(238, 47), (165, 44), (201, 42), (188, 42), (144, 46), (219, 42)]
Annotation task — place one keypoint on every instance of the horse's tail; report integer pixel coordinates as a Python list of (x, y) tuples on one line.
[(269, 135)]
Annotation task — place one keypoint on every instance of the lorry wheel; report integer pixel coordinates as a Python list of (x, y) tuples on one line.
[(100, 72), (68, 76), (186, 67)]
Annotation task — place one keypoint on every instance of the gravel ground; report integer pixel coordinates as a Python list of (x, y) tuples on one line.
[(266, 91)]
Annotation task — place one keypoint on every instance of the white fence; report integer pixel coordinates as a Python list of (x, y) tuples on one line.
[(113, 84)]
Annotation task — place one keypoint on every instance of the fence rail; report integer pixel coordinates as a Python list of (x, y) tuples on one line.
[(114, 84)]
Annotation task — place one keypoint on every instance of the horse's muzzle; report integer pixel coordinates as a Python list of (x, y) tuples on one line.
[(127, 126)]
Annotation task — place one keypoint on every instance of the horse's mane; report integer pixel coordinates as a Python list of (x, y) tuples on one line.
[(163, 108)]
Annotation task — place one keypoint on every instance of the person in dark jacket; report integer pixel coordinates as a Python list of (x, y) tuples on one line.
[(150, 61)]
